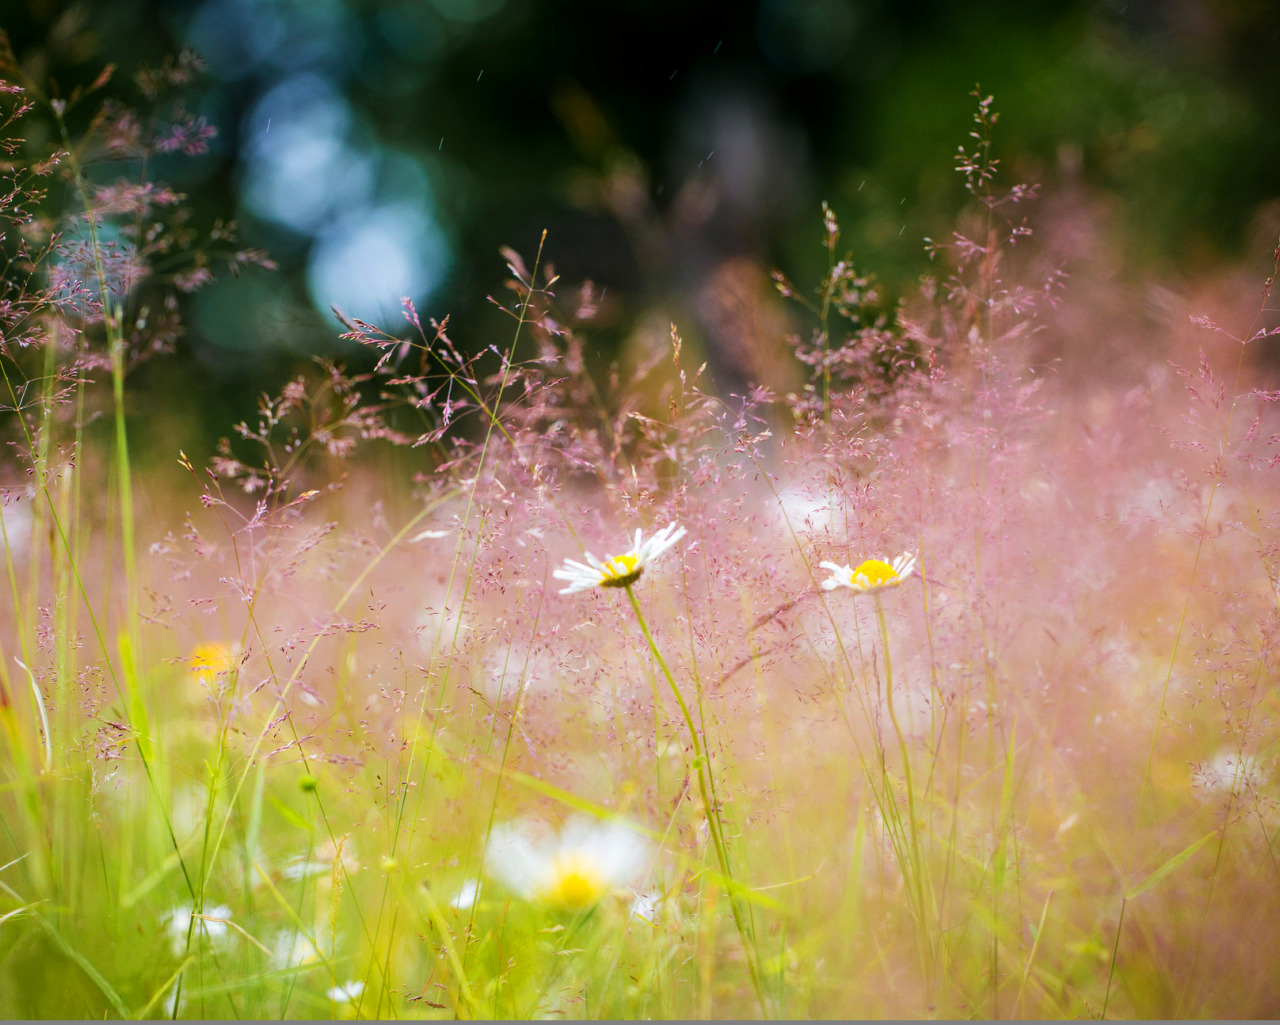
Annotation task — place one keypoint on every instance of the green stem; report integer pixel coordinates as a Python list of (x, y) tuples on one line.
[(113, 321), (115, 332), (917, 866), (706, 785)]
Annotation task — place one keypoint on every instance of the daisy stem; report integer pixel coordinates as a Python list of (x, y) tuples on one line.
[(917, 866), (706, 785)]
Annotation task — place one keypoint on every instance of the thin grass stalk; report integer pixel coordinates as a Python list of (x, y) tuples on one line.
[(706, 787), (916, 858), (493, 424)]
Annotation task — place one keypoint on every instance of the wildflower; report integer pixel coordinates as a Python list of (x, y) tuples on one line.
[(212, 924), (573, 870), (293, 950), (209, 661), (303, 866), (617, 570), (466, 895), (872, 575), (346, 992), (16, 532), (321, 860)]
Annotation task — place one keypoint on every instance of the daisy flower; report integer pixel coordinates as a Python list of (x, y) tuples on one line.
[(347, 992), (872, 575), (466, 896), (212, 923), (573, 870), (293, 950), (617, 570)]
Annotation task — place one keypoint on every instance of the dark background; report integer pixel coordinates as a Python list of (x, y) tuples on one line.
[(380, 149)]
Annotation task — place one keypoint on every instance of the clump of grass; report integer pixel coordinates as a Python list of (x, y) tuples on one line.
[(336, 745)]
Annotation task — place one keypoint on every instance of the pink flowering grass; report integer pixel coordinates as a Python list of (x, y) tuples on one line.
[(318, 739)]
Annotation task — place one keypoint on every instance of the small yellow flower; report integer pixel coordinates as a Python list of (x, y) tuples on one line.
[(617, 570), (871, 575), (208, 661)]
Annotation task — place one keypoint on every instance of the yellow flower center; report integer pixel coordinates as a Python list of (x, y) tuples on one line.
[(208, 660), (575, 882), (620, 570), (874, 573)]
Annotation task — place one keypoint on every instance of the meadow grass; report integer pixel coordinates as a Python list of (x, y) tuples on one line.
[(955, 696)]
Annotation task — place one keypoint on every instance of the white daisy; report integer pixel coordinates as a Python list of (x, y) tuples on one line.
[(466, 896), (293, 950), (573, 870), (303, 866), (872, 575), (212, 924), (617, 570), (346, 992)]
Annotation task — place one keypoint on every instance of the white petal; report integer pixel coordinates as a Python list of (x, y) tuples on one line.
[(466, 895), (513, 859)]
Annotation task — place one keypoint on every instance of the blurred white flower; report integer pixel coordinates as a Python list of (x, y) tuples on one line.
[(798, 510), (210, 923), (617, 570), (645, 906), (319, 861), (872, 575), (345, 993), (572, 870), (303, 866), (16, 519), (466, 895), (1229, 771), (292, 950)]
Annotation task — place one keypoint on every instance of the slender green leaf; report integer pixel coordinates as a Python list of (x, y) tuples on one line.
[(145, 1012), (1170, 865), (85, 966)]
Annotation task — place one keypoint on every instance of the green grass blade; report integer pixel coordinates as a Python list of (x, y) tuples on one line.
[(1170, 865), (87, 967)]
